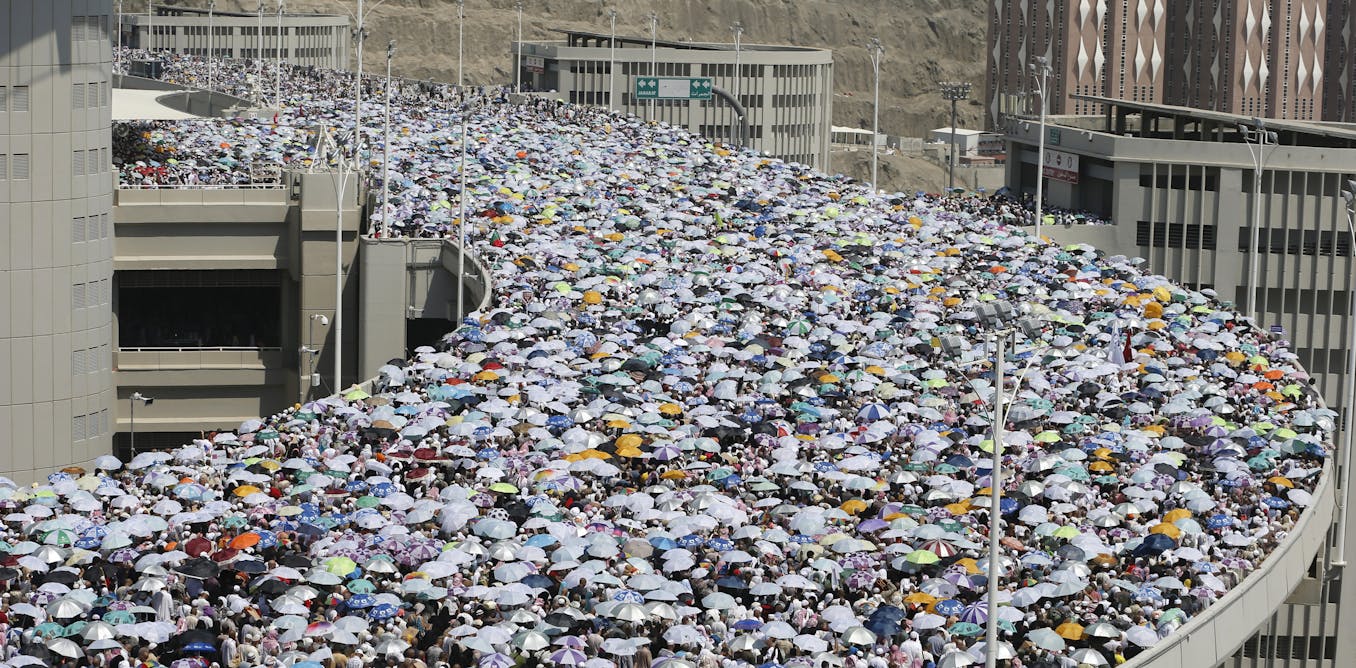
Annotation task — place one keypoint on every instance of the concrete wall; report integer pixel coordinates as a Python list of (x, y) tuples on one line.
[(56, 382), (320, 40), (197, 102)]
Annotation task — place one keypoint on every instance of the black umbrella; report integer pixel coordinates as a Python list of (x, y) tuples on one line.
[(295, 560), (195, 635), (252, 566), (200, 567), (62, 577)]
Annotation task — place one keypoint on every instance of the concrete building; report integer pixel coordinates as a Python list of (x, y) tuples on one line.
[(1339, 62), (56, 269), (1179, 183), (1251, 57), (787, 91), (321, 40)]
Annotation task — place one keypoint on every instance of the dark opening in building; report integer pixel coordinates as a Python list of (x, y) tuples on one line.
[(424, 332), (199, 309)]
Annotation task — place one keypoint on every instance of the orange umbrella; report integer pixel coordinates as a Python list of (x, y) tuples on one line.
[(1282, 482), (1176, 514), (244, 540), (853, 506), (1070, 631)]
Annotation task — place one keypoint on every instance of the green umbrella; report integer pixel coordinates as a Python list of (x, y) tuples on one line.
[(965, 629), (368, 501), (340, 566), (921, 557), (503, 488), (362, 586), (234, 521)]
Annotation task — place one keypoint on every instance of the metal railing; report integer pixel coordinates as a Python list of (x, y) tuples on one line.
[(197, 349), (202, 186)]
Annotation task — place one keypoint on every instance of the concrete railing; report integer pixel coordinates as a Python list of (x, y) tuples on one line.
[(274, 195), (477, 280), (1220, 630), (171, 359)]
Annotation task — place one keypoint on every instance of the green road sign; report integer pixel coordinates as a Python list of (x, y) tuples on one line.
[(673, 88)]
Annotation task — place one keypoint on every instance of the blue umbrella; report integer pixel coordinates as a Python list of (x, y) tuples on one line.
[(199, 647), (1276, 502), (382, 490), (1155, 544), (537, 581), (873, 412), (1219, 522), (659, 543), (747, 625), (559, 422), (690, 540), (361, 601), (720, 544), (949, 607), (628, 596), (383, 612)]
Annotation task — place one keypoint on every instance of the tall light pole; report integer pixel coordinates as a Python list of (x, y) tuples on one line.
[(461, 213), (341, 168), (117, 55), (518, 57), (1002, 321), (954, 92), (461, 25), (386, 148), (1349, 440), (277, 72), (612, 61), (132, 414), (150, 25), (211, 56), (738, 29), (1040, 72), (654, 62), (877, 51), (1257, 138), (259, 55), (309, 353)]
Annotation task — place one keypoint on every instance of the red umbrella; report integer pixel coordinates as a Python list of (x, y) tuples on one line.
[(198, 546)]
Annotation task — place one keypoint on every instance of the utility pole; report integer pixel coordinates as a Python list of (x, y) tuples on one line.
[(954, 92), (877, 51)]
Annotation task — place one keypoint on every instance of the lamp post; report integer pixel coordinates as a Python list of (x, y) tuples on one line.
[(1002, 321), (654, 63), (877, 51), (461, 25), (259, 57), (386, 148), (612, 61), (117, 55), (1349, 440), (132, 413), (342, 170), (150, 25), (738, 29), (211, 56), (518, 57), (953, 92), (277, 72), (1040, 72), (1257, 138), (312, 352), (461, 213)]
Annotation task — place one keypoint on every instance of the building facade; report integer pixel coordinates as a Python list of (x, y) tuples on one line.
[(1251, 57), (321, 40), (786, 91), (1179, 184), (1339, 49), (56, 269)]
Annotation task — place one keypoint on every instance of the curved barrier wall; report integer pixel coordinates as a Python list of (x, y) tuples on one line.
[(1214, 635)]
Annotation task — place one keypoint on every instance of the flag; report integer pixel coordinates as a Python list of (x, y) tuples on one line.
[(1120, 351)]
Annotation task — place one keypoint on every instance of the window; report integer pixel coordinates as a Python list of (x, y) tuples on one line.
[(78, 96), (18, 168), (4, 167), (79, 232), (4, 99), (78, 163), (19, 102), (1175, 235)]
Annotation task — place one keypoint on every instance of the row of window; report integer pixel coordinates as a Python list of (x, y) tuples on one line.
[(91, 360), (86, 162), (14, 99), (92, 425), (89, 228), (89, 28), (89, 95), (14, 167), (92, 294)]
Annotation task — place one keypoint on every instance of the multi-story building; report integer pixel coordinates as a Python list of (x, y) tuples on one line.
[(1339, 62), (786, 91), (1180, 186), (56, 261), (306, 39), (1250, 57)]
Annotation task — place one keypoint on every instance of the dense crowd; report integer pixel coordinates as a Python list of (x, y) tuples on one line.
[(704, 424)]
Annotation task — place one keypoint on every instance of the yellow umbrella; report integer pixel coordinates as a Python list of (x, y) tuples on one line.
[(618, 424), (1167, 529), (1176, 514), (853, 506), (920, 598), (958, 508), (593, 297), (1283, 482), (246, 490), (629, 453), (673, 475), (629, 441), (1070, 631), (486, 376), (670, 409)]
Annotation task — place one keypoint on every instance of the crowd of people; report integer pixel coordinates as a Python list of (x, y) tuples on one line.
[(704, 424)]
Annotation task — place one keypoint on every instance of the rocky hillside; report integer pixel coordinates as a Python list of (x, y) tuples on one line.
[(925, 40)]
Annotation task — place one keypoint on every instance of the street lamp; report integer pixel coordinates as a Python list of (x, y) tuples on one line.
[(1040, 72), (259, 57), (612, 61), (117, 55), (211, 57), (386, 148), (150, 25), (360, 34), (654, 63), (1257, 138), (461, 25), (876, 50), (738, 29), (1349, 198), (277, 72), (342, 170), (518, 57), (954, 92), (461, 213), (132, 404), (312, 352), (1000, 318)]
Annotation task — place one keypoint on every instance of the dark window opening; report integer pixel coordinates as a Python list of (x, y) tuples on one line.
[(199, 309), (424, 332), (1175, 235)]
